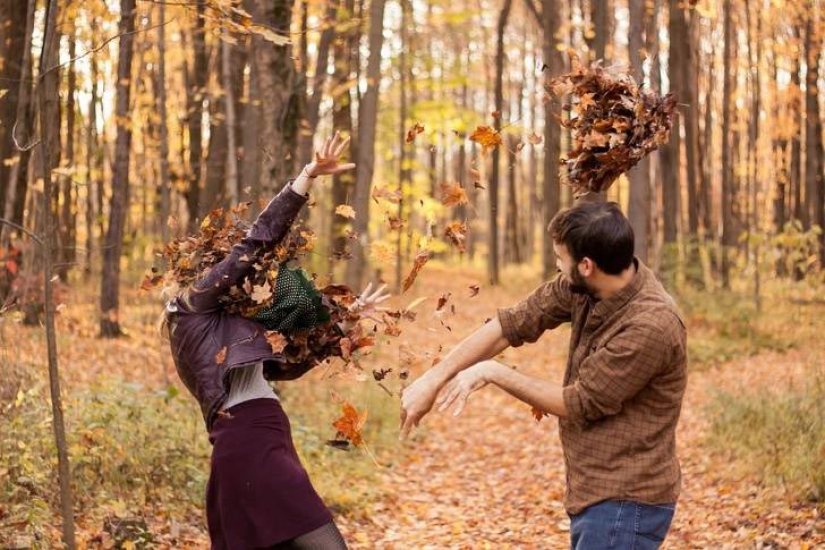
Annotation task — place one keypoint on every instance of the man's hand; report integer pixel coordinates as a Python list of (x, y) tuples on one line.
[(416, 401), (458, 390)]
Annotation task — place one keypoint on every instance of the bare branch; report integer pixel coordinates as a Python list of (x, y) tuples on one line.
[(34, 237)]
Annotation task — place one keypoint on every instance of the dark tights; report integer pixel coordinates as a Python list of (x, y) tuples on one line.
[(326, 537)]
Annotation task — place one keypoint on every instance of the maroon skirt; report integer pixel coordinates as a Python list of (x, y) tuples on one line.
[(258, 493)]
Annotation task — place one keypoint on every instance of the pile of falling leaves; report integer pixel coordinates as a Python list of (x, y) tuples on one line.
[(614, 124)]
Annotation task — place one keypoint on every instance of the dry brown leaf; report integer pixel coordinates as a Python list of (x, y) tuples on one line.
[(220, 357), (456, 232), (277, 341), (414, 131), (420, 259), (453, 195), (351, 424)]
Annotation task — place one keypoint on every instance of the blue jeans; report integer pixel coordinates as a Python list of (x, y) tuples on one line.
[(621, 524)]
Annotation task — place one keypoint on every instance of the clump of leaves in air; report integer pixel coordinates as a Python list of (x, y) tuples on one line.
[(614, 123)]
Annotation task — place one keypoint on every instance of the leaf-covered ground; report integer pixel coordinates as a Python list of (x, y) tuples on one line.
[(491, 478)]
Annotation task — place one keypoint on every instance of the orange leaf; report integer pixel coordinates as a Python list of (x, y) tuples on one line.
[(382, 193), (345, 211), (276, 340), (420, 259), (414, 131), (538, 414), (453, 194), (487, 137), (535, 139), (220, 357), (350, 424)]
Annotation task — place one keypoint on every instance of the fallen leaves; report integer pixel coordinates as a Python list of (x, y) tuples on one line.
[(420, 259)]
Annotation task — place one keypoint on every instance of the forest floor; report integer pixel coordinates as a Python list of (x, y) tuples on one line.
[(491, 478)]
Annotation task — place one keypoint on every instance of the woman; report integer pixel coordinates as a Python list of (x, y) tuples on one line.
[(259, 495)]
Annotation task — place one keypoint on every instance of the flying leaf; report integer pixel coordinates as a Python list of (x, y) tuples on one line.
[(345, 211), (535, 139), (277, 341), (350, 424), (414, 131), (452, 194), (442, 301), (420, 259), (382, 193), (538, 414), (487, 137), (456, 232), (268, 34), (220, 357), (474, 289)]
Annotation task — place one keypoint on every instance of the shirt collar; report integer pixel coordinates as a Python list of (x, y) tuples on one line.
[(607, 307)]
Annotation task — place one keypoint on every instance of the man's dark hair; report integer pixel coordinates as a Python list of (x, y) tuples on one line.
[(598, 231)]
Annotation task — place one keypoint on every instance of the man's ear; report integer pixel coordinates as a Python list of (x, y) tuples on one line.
[(586, 267)]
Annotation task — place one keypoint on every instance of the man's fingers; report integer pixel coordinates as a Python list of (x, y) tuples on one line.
[(460, 402)]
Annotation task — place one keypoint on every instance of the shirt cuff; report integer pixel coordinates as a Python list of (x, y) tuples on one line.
[(506, 319), (572, 402)]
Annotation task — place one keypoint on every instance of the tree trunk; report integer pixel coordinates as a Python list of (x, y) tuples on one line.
[(91, 182), (552, 132), (343, 185), (119, 205), (13, 69), (50, 134), (599, 13), (194, 117), (514, 252), (273, 74), (160, 87), (402, 143), (639, 200), (367, 119), (815, 194), (493, 255), (231, 190), (23, 129), (728, 236)]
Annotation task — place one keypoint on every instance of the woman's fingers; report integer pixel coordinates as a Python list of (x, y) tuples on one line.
[(366, 292), (343, 168), (339, 148)]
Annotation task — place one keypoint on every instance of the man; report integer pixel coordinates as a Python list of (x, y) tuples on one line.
[(623, 386)]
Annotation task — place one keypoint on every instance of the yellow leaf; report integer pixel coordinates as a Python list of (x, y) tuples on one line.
[(268, 34), (345, 211)]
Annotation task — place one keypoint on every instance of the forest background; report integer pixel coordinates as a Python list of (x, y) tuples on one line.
[(123, 124)]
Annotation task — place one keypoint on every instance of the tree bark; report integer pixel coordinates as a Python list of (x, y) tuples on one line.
[(728, 236), (638, 211), (495, 176), (552, 133), (194, 117), (160, 87), (13, 70), (49, 134), (119, 204), (272, 71), (815, 194)]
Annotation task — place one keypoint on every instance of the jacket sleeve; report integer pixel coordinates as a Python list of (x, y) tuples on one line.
[(269, 229)]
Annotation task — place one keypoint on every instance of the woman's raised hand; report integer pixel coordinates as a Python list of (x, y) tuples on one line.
[(327, 160)]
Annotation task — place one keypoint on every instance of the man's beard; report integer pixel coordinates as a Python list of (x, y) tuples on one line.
[(577, 283)]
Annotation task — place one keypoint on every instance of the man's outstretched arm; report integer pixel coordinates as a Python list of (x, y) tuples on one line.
[(418, 398), (546, 396)]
